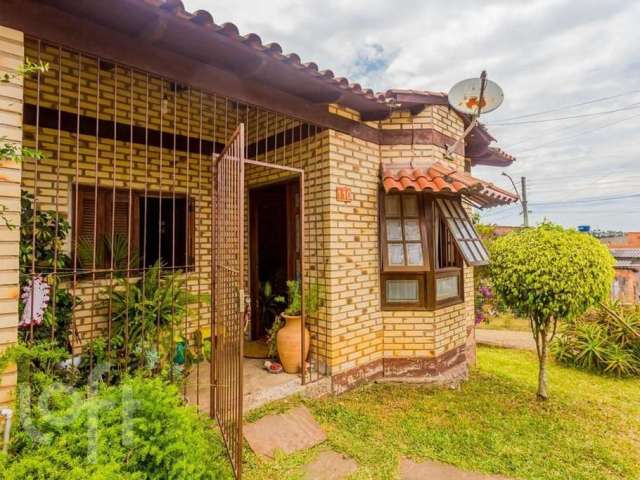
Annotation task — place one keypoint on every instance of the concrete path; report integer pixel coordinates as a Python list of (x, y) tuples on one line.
[(410, 470), (330, 465), (291, 431), (506, 339)]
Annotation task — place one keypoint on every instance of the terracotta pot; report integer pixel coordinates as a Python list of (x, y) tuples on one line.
[(289, 343)]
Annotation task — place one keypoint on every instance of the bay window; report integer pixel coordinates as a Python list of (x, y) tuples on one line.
[(424, 241)]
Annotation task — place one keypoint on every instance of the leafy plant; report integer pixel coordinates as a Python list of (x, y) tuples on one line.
[(9, 151), (106, 250), (271, 306), (548, 274), (146, 316), (272, 337), (43, 236), (313, 298), (137, 430), (606, 339)]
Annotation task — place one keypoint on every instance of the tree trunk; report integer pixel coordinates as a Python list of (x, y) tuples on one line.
[(542, 361)]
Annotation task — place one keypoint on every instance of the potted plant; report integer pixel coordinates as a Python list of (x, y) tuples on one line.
[(289, 337)]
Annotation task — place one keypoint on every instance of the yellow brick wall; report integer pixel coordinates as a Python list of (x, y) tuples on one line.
[(437, 117), (356, 330), (11, 58)]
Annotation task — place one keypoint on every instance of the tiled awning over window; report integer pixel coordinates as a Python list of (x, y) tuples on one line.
[(440, 177)]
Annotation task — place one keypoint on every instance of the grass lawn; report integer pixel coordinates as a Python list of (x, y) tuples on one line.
[(589, 429), (505, 321)]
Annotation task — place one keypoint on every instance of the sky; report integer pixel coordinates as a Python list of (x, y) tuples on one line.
[(553, 58)]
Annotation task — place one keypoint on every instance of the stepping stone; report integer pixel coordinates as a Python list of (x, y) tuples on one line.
[(291, 431), (330, 465), (410, 470)]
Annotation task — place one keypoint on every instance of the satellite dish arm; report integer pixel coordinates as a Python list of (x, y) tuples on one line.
[(474, 118)]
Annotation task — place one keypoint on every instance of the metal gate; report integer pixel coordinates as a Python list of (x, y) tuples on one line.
[(228, 295)]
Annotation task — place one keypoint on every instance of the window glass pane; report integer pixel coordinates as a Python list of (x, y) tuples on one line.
[(465, 236), (402, 291), (412, 230), (394, 230), (392, 205), (466, 252), (447, 287), (410, 205), (396, 254), (414, 254)]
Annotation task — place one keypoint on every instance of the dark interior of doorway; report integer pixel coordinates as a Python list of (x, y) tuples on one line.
[(274, 232)]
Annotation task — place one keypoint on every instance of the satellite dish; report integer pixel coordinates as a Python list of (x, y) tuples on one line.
[(474, 96)]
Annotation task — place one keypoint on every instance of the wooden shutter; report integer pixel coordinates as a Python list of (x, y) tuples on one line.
[(85, 216), (88, 225), (93, 223), (122, 224)]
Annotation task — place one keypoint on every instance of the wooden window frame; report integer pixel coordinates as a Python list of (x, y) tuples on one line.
[(388, 268), (428, 274), (422, 291), (103, 220), (446, 273)]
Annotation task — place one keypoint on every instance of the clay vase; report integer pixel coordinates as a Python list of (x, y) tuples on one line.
[(289, 343)]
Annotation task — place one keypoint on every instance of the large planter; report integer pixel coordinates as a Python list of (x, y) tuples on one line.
[(289, 342)]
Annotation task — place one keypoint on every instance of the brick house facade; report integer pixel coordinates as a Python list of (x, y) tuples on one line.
[(341, 136)]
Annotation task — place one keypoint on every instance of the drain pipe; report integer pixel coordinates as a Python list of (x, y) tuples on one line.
[(7, 413)]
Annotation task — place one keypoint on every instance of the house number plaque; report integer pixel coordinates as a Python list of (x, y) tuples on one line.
[(344, 194)]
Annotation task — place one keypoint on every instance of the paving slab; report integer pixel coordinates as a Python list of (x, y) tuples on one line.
[(505, 339), (330, 465), (290, 432), (428, 470)]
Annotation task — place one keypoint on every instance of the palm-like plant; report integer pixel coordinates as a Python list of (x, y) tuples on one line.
[(147, 314), (606, 339), (620, 362), (591, 344)]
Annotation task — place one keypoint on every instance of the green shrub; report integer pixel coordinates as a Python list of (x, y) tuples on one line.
[(548, 274), (147, 319), (606, 339), (313, 298), (50, 231), (137, 430)]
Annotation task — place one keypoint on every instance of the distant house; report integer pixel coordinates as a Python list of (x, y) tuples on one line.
[(625, 247), (626, 285), (502, 230)]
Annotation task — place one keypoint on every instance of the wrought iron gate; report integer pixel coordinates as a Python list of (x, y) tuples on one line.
[(228, 295)]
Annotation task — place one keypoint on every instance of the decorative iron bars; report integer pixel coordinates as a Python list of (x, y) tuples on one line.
[(228, 288), (126, 209)]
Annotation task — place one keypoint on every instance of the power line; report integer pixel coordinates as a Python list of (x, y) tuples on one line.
[(588, 200), (632, 106), (629, 181), (575, 105), (586, 177), (585, 132)]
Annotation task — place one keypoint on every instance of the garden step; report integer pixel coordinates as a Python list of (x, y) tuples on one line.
[(410, 470), (330, 465), (290, 432)]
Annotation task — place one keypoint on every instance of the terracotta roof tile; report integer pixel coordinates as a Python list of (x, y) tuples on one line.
[(440, 177), (274, 50)]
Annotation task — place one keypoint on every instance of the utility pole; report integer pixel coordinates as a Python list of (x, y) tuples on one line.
[(525, 210)]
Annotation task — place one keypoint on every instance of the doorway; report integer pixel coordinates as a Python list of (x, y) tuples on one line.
[(275, 246)]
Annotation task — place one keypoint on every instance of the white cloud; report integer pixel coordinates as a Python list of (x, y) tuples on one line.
[(545, 54)]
